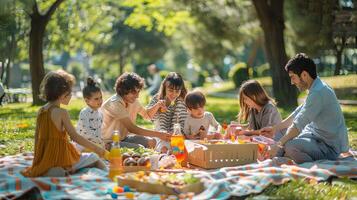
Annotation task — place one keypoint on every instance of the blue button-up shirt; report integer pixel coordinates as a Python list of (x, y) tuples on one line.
[(321, 116)]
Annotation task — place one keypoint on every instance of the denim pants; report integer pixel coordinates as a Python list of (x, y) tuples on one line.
[(307, 148)]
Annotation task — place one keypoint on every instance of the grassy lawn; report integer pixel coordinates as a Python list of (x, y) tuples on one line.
[(18, 124)]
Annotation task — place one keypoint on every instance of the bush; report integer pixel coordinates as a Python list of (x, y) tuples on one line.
[(201, 78), (163, 74), (77, 69), (263, 70), (239, 73)]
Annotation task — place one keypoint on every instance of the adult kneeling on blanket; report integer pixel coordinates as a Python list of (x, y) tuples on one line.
[(316, 129)]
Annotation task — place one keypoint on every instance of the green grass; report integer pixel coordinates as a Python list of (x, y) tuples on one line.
[(301, 189), (17, 123)]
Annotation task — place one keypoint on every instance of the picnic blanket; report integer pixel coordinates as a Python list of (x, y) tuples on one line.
[(219, 184)]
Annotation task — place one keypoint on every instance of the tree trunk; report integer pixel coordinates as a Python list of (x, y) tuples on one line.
[(121, 61), (8, 71), (2, 69), (38, 27), (12, 46), (271, 17), (338, 62), (37, 70), (339, 51)]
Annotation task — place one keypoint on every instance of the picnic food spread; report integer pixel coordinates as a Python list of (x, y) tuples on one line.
[(136, 160), (137, 157), (139, 163), (162, 178), (162, 182)]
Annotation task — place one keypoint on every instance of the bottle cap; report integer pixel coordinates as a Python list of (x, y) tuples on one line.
[(116, 137)]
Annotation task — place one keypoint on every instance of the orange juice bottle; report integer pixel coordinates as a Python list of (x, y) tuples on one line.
[(115, 159), (178, 144)]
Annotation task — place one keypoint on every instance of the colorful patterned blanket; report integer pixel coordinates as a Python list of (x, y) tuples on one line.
[(219, 184)]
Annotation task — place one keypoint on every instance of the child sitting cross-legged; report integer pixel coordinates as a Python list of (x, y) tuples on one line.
[(90, 119), (55, 155), (199, 121)]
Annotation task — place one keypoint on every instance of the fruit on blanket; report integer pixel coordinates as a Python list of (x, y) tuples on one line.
[(118, 189), (144, 161), (261, 147), (169, 179), (166, 161), (129, 195), (125, 155), (145, 154), (136, 156), (140, 150), (130, 162)]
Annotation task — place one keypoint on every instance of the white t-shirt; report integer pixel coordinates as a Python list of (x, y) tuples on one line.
[(89, 125), (193, 125)]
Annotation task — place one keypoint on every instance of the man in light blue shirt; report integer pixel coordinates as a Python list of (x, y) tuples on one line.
[(316, 129)]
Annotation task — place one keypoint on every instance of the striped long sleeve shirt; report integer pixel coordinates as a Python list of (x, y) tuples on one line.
[(164, 121)]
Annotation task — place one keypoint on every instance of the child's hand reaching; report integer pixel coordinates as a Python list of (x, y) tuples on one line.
[(268, 131), (162, 105), (202, 133), (227, 136), (246, 132), (106, 155), (102, 153), (217, 136)]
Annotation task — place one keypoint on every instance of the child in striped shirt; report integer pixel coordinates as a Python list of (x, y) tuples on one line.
[(167, 107)]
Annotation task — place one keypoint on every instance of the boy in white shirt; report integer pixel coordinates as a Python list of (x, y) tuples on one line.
[(199, 121)]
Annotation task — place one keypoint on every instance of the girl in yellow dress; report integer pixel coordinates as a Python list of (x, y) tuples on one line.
[(55, 155)]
